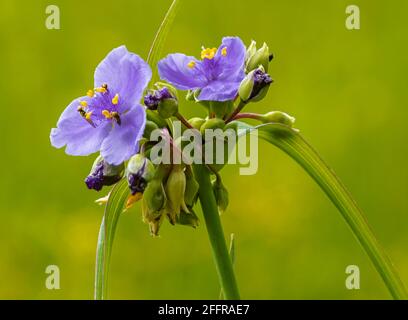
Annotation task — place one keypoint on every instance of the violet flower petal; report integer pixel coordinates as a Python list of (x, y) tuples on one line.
[(125, 73), (219, 91), (80, 137), (175, 70), (123, 140)]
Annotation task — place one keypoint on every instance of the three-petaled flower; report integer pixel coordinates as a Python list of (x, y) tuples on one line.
[(217, 75), (109, 118)]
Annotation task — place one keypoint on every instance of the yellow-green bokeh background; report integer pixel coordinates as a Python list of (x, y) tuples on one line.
[(347, 90)]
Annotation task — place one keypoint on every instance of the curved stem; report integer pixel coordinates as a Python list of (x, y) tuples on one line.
[(221, 256), (237, 110), (248, 115), (295, 146)]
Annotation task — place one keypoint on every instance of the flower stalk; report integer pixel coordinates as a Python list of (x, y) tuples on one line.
[(215, 231)]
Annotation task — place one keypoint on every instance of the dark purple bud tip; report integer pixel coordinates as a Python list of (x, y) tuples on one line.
[(153, 98), (95, 179), (137, 184), (261, 80)]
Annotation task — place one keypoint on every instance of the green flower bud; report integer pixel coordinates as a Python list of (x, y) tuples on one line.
[(259, 58), (154, 198), (255, 85), (140, 170), (196, 122), (164, 100), (167, 108), (103, 174), (278, 117), (214, 123), (192, 186), (251, 50), (221, 195), (188, 219), (175, 189)]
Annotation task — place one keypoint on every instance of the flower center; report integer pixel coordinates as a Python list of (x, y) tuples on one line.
[(100, 107), (208, 53)]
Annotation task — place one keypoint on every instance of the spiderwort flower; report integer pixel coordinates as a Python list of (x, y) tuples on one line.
[(218, 73), (109, 118)]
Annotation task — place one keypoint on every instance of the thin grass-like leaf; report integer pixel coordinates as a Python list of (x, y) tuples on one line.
[(232, 255), (115, 206), (119, 194), (292, 143), (161, 35)]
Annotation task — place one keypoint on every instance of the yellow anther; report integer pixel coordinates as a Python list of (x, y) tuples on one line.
[(208, 53), (102, 89), (83, 104), (115, 99), (88, 115), (90, 93), (224, 52), (107, 114), (191, 64)]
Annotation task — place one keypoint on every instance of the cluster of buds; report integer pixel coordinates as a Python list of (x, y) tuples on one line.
[(170, 191), (255, 85), (167, 191)]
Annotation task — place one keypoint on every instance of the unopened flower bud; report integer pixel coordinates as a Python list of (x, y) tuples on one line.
[(154, 197), (214, 123), (192, 186), (175, 189), (251, 50), (255, 85), (188, 219), (221, 195), (140, 170), (103, 174), (196, 123), (164, 100), (258, 58), (278, 117)]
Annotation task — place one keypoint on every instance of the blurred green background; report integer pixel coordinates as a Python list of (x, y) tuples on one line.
[(347, 90)]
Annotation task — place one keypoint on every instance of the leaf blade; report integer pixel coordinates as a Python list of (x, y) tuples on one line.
[(115, 206), (293, 144), (161, 35)]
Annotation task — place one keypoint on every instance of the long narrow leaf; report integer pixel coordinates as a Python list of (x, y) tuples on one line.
[(291, 142), (119, 194), (115, 206), (161, 35)]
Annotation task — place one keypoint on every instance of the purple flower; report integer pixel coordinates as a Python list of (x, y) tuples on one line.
[(217, 75), (109, 118)]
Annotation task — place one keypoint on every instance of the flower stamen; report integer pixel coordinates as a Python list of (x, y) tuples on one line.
[(191, 64), (112, 115), (115, 99), (224, 52), (208, 53), (90, 93), (102, 89)]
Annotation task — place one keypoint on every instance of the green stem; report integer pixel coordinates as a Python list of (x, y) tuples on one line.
[(216, 234), (295, 146)]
